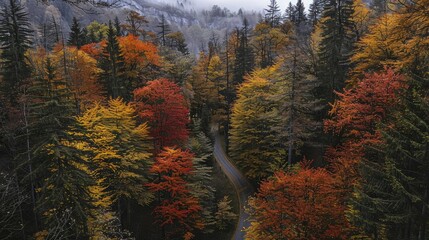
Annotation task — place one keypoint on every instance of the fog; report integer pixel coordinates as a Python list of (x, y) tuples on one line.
[(234, 5)]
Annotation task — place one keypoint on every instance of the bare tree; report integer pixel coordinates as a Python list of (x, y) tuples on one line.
[(11, 199)]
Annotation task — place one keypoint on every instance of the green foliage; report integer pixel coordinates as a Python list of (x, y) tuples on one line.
[(335, 47), (112, 66), (15, 40), (224, 215), (77, 36), (392, 199)]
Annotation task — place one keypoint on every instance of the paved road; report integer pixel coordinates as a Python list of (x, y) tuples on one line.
[(242, 186)]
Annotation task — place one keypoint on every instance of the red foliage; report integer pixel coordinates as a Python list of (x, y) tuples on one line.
[(177, 205), (303, 205), (162, 104), (94, 49), (355, 117)]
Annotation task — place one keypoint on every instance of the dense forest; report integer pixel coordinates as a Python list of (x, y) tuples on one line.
[(108, 132)]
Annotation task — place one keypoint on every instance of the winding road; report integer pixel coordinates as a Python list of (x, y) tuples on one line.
[(241, 185)]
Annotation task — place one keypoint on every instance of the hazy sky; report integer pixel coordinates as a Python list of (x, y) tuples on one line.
[(257, 5)]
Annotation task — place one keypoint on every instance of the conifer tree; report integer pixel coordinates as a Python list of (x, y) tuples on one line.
[(112, 66), (15, 40), (272, 14), (60, 170), (244, 56), (335, 47), (164, 30), (77, 36), (391, 201)]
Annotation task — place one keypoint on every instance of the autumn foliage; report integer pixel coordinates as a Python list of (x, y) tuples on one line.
[(355, 117), (162, 104), (303, 206), (178, 208)]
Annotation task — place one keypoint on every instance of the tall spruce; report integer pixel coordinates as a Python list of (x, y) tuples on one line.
[(164, 30), (315, 11), (77, 36), (244, 56), (335, 47), (60, 171), (15, 40), (272, 14), (112, 66), (392, 200)]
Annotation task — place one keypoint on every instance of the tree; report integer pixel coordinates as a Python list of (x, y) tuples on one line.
[(392, 199), (335, 47), (355, 117), (163, 106), (122, 151), (81, 72), (301, 205), (77, 36), (134, 25), (112, 66), (141, 62), (60, 170), (164, 30), (224, 215), (315, 10), (178, 210), (15, 40), (268, 44), (255, 143), (244, 54), (272, 15)]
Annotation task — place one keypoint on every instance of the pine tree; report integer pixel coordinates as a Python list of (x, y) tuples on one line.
[(164, 30), (315, 10), (77, 36), (244, 56), (60, 170), (15, 40), (272, 14), (112, 66), (335, 47), (118, 29), (392, 200)]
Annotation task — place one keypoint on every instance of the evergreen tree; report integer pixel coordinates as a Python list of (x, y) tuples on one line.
[(164, 30), (391, 201), (15, 40), (335, 47), (77, 36), (315, 10), (60, 171), (112, 66), (272, 14), (118, 27), (244, 56), (299, 13)]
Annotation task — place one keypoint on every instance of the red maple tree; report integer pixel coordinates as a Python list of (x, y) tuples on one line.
[(355, 117), (304, 206), (162, 104), (178, 211)]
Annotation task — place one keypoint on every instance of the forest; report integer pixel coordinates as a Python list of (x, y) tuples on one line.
[(111, 131)]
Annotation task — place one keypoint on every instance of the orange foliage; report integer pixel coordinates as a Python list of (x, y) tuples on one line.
[(162, 104), (137, 52), (300, 206), (94, 49), (355, 117), (177, 206)]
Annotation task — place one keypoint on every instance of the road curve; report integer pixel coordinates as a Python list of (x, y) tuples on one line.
[(241, 185)]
